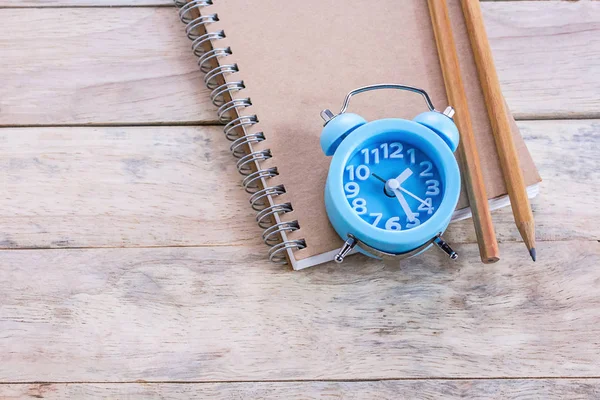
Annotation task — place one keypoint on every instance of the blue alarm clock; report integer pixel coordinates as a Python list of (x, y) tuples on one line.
[(393, 184)]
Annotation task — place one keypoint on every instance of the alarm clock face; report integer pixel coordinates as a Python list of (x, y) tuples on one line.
[(392, 185)]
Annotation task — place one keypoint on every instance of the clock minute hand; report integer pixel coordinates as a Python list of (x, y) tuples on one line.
[(394, 186)]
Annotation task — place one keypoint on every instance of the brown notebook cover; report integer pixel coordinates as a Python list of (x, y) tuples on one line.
[(297, 58)]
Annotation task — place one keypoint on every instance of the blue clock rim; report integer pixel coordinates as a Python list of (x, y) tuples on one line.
[(423, 138)]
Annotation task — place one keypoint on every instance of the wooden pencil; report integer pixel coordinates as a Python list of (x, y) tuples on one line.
[(469, 156), (498, 114)]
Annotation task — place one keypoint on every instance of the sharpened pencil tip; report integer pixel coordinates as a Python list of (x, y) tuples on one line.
[(532, 253)]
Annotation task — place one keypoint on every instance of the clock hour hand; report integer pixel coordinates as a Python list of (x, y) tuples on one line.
[(395, 187), (404, 176)]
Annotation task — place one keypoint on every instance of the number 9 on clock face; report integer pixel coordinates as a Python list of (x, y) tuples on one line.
[(392, 185)]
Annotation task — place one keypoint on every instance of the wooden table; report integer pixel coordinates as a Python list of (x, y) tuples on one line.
[(130, 265)]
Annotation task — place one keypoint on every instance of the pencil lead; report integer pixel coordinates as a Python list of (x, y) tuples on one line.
[(532, 253)]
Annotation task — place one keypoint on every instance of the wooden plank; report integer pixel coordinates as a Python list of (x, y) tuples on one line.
[(123, 65), (133, 65), (548, 389), (114, 187), (225, 314), (177, 186), (547, 55)]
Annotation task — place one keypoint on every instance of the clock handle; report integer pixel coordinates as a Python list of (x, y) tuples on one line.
[(387, 86)]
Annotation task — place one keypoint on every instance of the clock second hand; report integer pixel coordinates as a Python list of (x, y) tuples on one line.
[(413, 196)]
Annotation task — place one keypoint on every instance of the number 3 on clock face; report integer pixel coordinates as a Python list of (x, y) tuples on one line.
[(392, 185)]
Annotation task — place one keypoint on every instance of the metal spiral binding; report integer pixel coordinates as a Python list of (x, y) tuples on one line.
[(225, 109), (244, 164), (263, 218), (232, 128), (204, 61), (193, 25), (237, 147), (258, 200), (217, 96), (210, 79), (271, 235), (277, 252), (251, 182), (200, 41), (235, 127), (185, 8)]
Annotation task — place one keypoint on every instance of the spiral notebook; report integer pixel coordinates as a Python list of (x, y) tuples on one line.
[(273, 66)]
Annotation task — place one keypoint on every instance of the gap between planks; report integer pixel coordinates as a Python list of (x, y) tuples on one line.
[(208, 382), (519, 117), (37, 7), (238, 245), (116, 4), (117, 124)]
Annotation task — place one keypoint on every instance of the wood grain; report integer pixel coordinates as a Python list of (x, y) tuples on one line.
[(566, 154), (226, 314), (114, 187), (547, 389), (103, 66), (177, 186), (547, 54), (133, 65)]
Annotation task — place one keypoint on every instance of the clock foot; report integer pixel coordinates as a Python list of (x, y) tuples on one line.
[(346, 248), (445, 247)]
